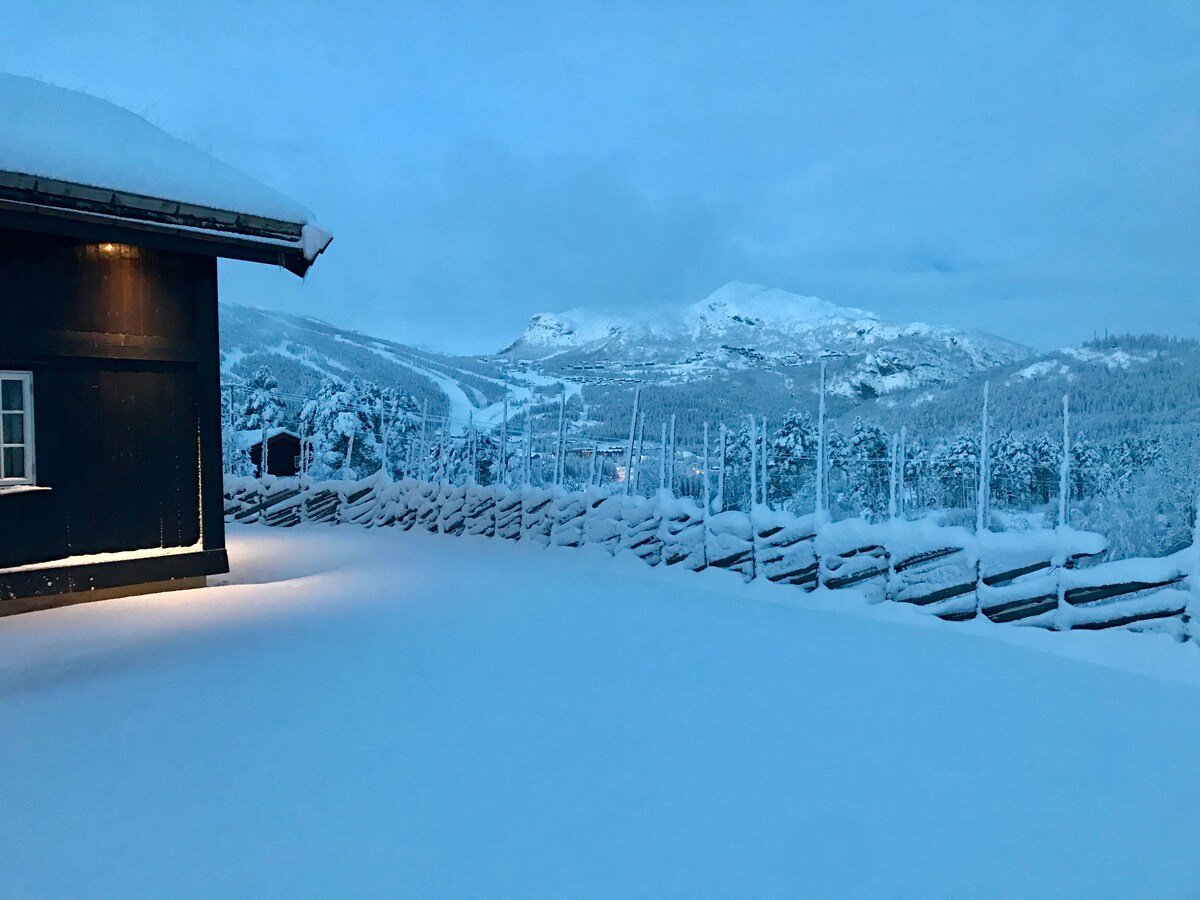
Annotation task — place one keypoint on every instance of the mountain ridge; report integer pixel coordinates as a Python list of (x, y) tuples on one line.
[(720, 359), (739, 303), (743, 325)]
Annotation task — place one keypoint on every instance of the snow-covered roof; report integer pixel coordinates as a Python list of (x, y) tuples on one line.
[(247, 438), (69, 156)]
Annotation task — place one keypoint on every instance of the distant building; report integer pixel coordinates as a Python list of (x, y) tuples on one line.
[(283, 451), (601, 452), (110, 410)]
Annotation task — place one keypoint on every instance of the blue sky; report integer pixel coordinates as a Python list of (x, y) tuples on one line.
[(1028, 169)]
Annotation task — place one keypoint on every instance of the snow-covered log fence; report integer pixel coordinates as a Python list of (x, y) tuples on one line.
[(1041, 578)]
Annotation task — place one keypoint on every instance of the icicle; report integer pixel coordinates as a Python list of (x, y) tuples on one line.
[(592, 467), (1064, 470), (820, 482), (637, 396), (984, 486), (903, 460)]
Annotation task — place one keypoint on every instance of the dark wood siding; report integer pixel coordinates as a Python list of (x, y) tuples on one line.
[(283, 455), (122, 342)]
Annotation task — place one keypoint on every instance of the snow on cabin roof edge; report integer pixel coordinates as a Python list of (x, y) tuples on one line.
[(71, 149)]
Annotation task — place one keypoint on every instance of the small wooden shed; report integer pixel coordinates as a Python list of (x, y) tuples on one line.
[(283, 452), (110, 411)]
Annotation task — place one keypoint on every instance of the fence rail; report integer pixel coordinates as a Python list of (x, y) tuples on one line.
[(1041, 578)]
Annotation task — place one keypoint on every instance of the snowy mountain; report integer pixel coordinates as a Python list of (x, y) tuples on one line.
[(749, 326), (745, 348), (734, 313), (747, 345)]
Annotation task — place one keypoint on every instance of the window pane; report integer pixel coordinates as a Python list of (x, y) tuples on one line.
[(12, 394), (12, 428), (14, 462)]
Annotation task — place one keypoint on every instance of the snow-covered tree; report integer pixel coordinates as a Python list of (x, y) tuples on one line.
[(792, 461), (260, 407), (400, 428), (237, 460), (340, 426), (1013, 470), (737, 466), (1089, 469), (1046, 454), (956, 466), (863, 462)]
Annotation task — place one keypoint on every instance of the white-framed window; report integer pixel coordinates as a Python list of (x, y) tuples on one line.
[(16, 429)]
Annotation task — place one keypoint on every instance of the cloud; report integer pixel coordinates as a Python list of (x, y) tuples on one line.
[(1026, 168), (496, 233)]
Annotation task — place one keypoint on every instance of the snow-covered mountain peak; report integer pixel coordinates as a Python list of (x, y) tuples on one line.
[(747, 311), (742, 326), (758, 306), (569, 329)]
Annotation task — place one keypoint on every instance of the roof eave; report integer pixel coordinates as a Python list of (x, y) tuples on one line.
[(56, 207)]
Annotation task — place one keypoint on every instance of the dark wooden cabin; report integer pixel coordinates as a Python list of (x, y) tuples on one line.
[(283, 453), (110, 439)]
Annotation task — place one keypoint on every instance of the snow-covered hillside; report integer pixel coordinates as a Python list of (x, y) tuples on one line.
[(301, 351), (746, 348), (1120, 386), (375, 713)]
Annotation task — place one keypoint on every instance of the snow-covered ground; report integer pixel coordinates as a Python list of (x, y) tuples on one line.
[(378, 713)]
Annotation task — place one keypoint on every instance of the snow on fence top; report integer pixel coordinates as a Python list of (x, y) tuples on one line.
[(1039, 578), (53, 133)]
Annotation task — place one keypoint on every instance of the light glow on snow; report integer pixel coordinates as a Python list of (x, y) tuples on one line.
[(87, 559)]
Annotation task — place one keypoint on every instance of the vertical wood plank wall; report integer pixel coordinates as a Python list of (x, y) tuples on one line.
[(122, 342)]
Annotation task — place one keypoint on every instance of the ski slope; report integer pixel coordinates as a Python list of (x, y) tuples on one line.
[(377, 713)]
